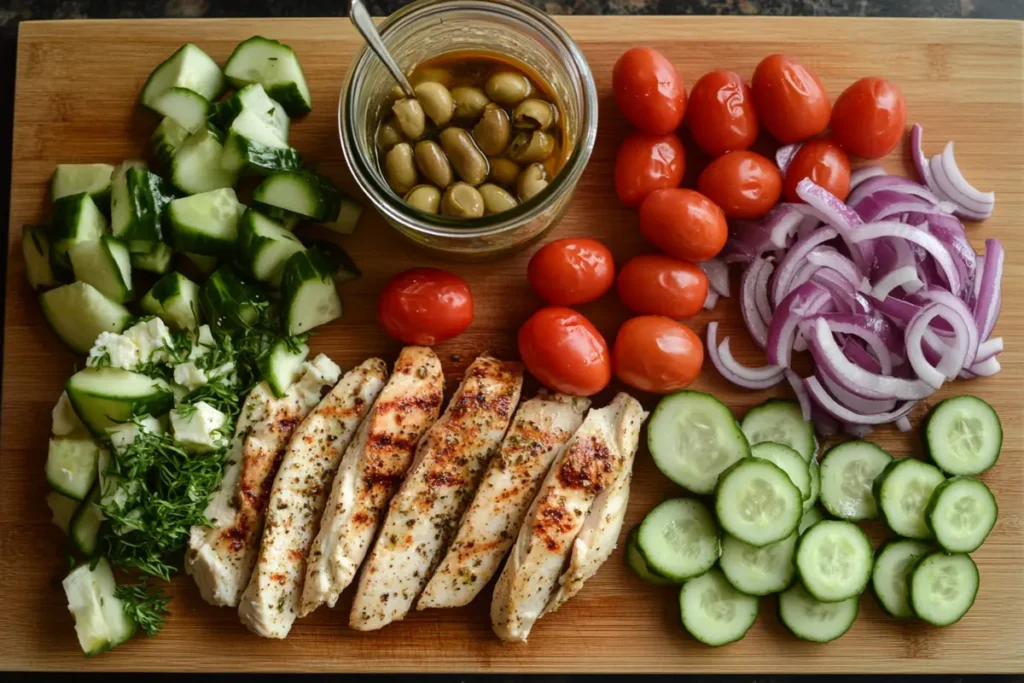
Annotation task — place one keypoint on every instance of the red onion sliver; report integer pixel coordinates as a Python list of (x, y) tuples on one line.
[(829, 404), (986, 368), (977, 198), (920, 160), (718, 275), (923, 239), (784, 155), (749, 378), (711, 299), (890, 182), (844, 295), (989, 348), (989, 297), (756, 325), (859, 175), (904, 276), (954, 356), (830, 257), (854, 402), (958, 307), (829, 207), (964, 206), (764, 306), (903, 424), (807, 299), (801, 393), (795, 258)]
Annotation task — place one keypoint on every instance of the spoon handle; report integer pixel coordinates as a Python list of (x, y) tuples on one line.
[(364, 24)]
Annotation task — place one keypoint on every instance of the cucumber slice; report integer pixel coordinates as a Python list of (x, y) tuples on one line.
[(228, 301), (203, 263), (166, 140), (810, 518), (274, 66), (307, 194), (253, 98), (943, 587), (196, 167), (288, 219), (120, 626), (834, 560), (903, 490), (175, 299), (84, 529), (35, 248), (757, 502), (94, 179), (349, 212), (280, 364), (813, 620), (189, 67), (345, 269), (205, 223), (636, 562), (106, 265), (309, 297), (963, 435), (264, 246), (100, 618), (814, 472), (848, 472), (78, 313), (693, 438), (961, 514), (75, 219), (187, 107), (71, 466), (138, 198), (758, 571), (62, 509), (254, 145), (889, 576), (787, 460), (780, 421), (65, 419), (679, 539), (104, 397), (156, 260), (714, 612)]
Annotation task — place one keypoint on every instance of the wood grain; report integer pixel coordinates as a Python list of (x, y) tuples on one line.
[(77, 84)]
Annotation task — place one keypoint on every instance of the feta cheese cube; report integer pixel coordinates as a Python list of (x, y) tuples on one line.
[(122, 435), (225, 372), (65, 419), (199, 430), (203, 344), (123, 352), (314, 376), (150, 337), (189, 375)]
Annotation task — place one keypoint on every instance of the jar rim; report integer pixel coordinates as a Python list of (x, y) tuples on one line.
[(439, 226)]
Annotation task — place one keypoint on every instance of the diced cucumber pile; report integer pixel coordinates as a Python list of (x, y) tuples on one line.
[(766, 535)]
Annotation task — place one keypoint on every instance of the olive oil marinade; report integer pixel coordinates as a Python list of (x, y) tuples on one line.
[(482, 135)]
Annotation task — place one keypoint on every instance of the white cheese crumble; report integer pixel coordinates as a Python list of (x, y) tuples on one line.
[(189, 375), (204, 343), (150, 337), (200, 430), (122, 435), (122, 351), (314, 375)]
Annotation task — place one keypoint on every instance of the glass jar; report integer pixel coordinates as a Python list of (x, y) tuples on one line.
[(430, 28)]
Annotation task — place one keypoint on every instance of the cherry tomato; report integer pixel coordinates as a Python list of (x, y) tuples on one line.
[(869, 117), (744, 184), (656, 354), (823, 162), (661, 285), (649, 91), (572, 270), (683, 223), (646, 163), (564, 350), (721, 113), (791, 102), (425, 306)]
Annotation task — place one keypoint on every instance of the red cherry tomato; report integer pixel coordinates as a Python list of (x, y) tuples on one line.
[(646, 163), (425, 306), (791, 102), (661, 285), (721, 113), (869, 117), (744, 184), (649, 91), (563, 350), (823, 162), (572, 270), (684, 224), (656, 354)]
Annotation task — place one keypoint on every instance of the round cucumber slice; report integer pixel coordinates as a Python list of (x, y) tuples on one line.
[(757, 502), (902, 491), (848, 472), (889, 576), (834, 560), (780, 421), (758, 570), (943, 587), (963, 435), (811, 517), (636, 562), (813, 620), (789, 461), (961, 513), (714, 612), (679, 539)]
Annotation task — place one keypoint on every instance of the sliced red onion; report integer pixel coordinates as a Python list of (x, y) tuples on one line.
[(899, 311), (920, 160), (795, 258), (858, 353), (989, 299), (749, 239), (949, 188), (986, 368), (807, 299), (931, 244), (852, 401), (740, 375), (764, 306), (748, 307), (954, 356), (829, 257), (989, 348), (864, 327), (710, 299), (903, 424), (949, 231), (904, 276), (718, 275), (846, 298), (784, 155), (890, 182), (802, 275), (833, 408), (881, 201), (971, 337), (859, 175), (801, 394), (808, 225), (979, 272), (828, 207)]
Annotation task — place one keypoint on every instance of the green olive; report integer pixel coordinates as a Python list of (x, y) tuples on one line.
[(529, 147), (469, 103), (533, 114), (400, 168), (436, 101), (503, 171), (396, 93), (433, 164), (388, 135), (468, 161), (496, 199), (532, 180), (410, 117), (508, 88), (437, 74), (492, 131), (424, 197), (461, 200)]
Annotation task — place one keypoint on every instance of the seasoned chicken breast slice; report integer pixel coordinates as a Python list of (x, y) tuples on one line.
[(540, 428), (221, 556), (424, 513), (270, 603), (593, 460), (371, 470)]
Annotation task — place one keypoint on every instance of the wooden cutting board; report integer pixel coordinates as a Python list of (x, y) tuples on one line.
[(77, 88)]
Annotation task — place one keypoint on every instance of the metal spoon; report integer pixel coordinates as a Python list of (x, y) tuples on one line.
[(364, 24)]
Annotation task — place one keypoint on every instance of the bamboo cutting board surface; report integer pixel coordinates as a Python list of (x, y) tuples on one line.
[(77, 86)]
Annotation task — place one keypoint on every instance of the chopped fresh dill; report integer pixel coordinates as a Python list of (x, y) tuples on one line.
[(146, 606)]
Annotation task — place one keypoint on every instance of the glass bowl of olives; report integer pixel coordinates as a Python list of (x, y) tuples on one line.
[(486, 156)]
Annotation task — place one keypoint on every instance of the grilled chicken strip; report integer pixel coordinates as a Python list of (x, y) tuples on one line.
[(423, 514), (539, 430), (269, 605), (371, 471), (221, 556), (593, 460)]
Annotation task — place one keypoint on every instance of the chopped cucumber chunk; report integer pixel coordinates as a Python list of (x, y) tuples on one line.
[(84, 529), (188, 68), (264, 246), (62, 509), (166, 140), (281, 364), (345, 269), (75, 219), (78, 313), (138, 198), (156, 260), (307, 194), (228, 301), (196, 166), (94, 179), (205, 223), (254, 145), (309, 297), (100, 618), (106, 396), (276, 67), (71, 466), (175, 299), (253, 98), (36, 248), (106, 265)]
